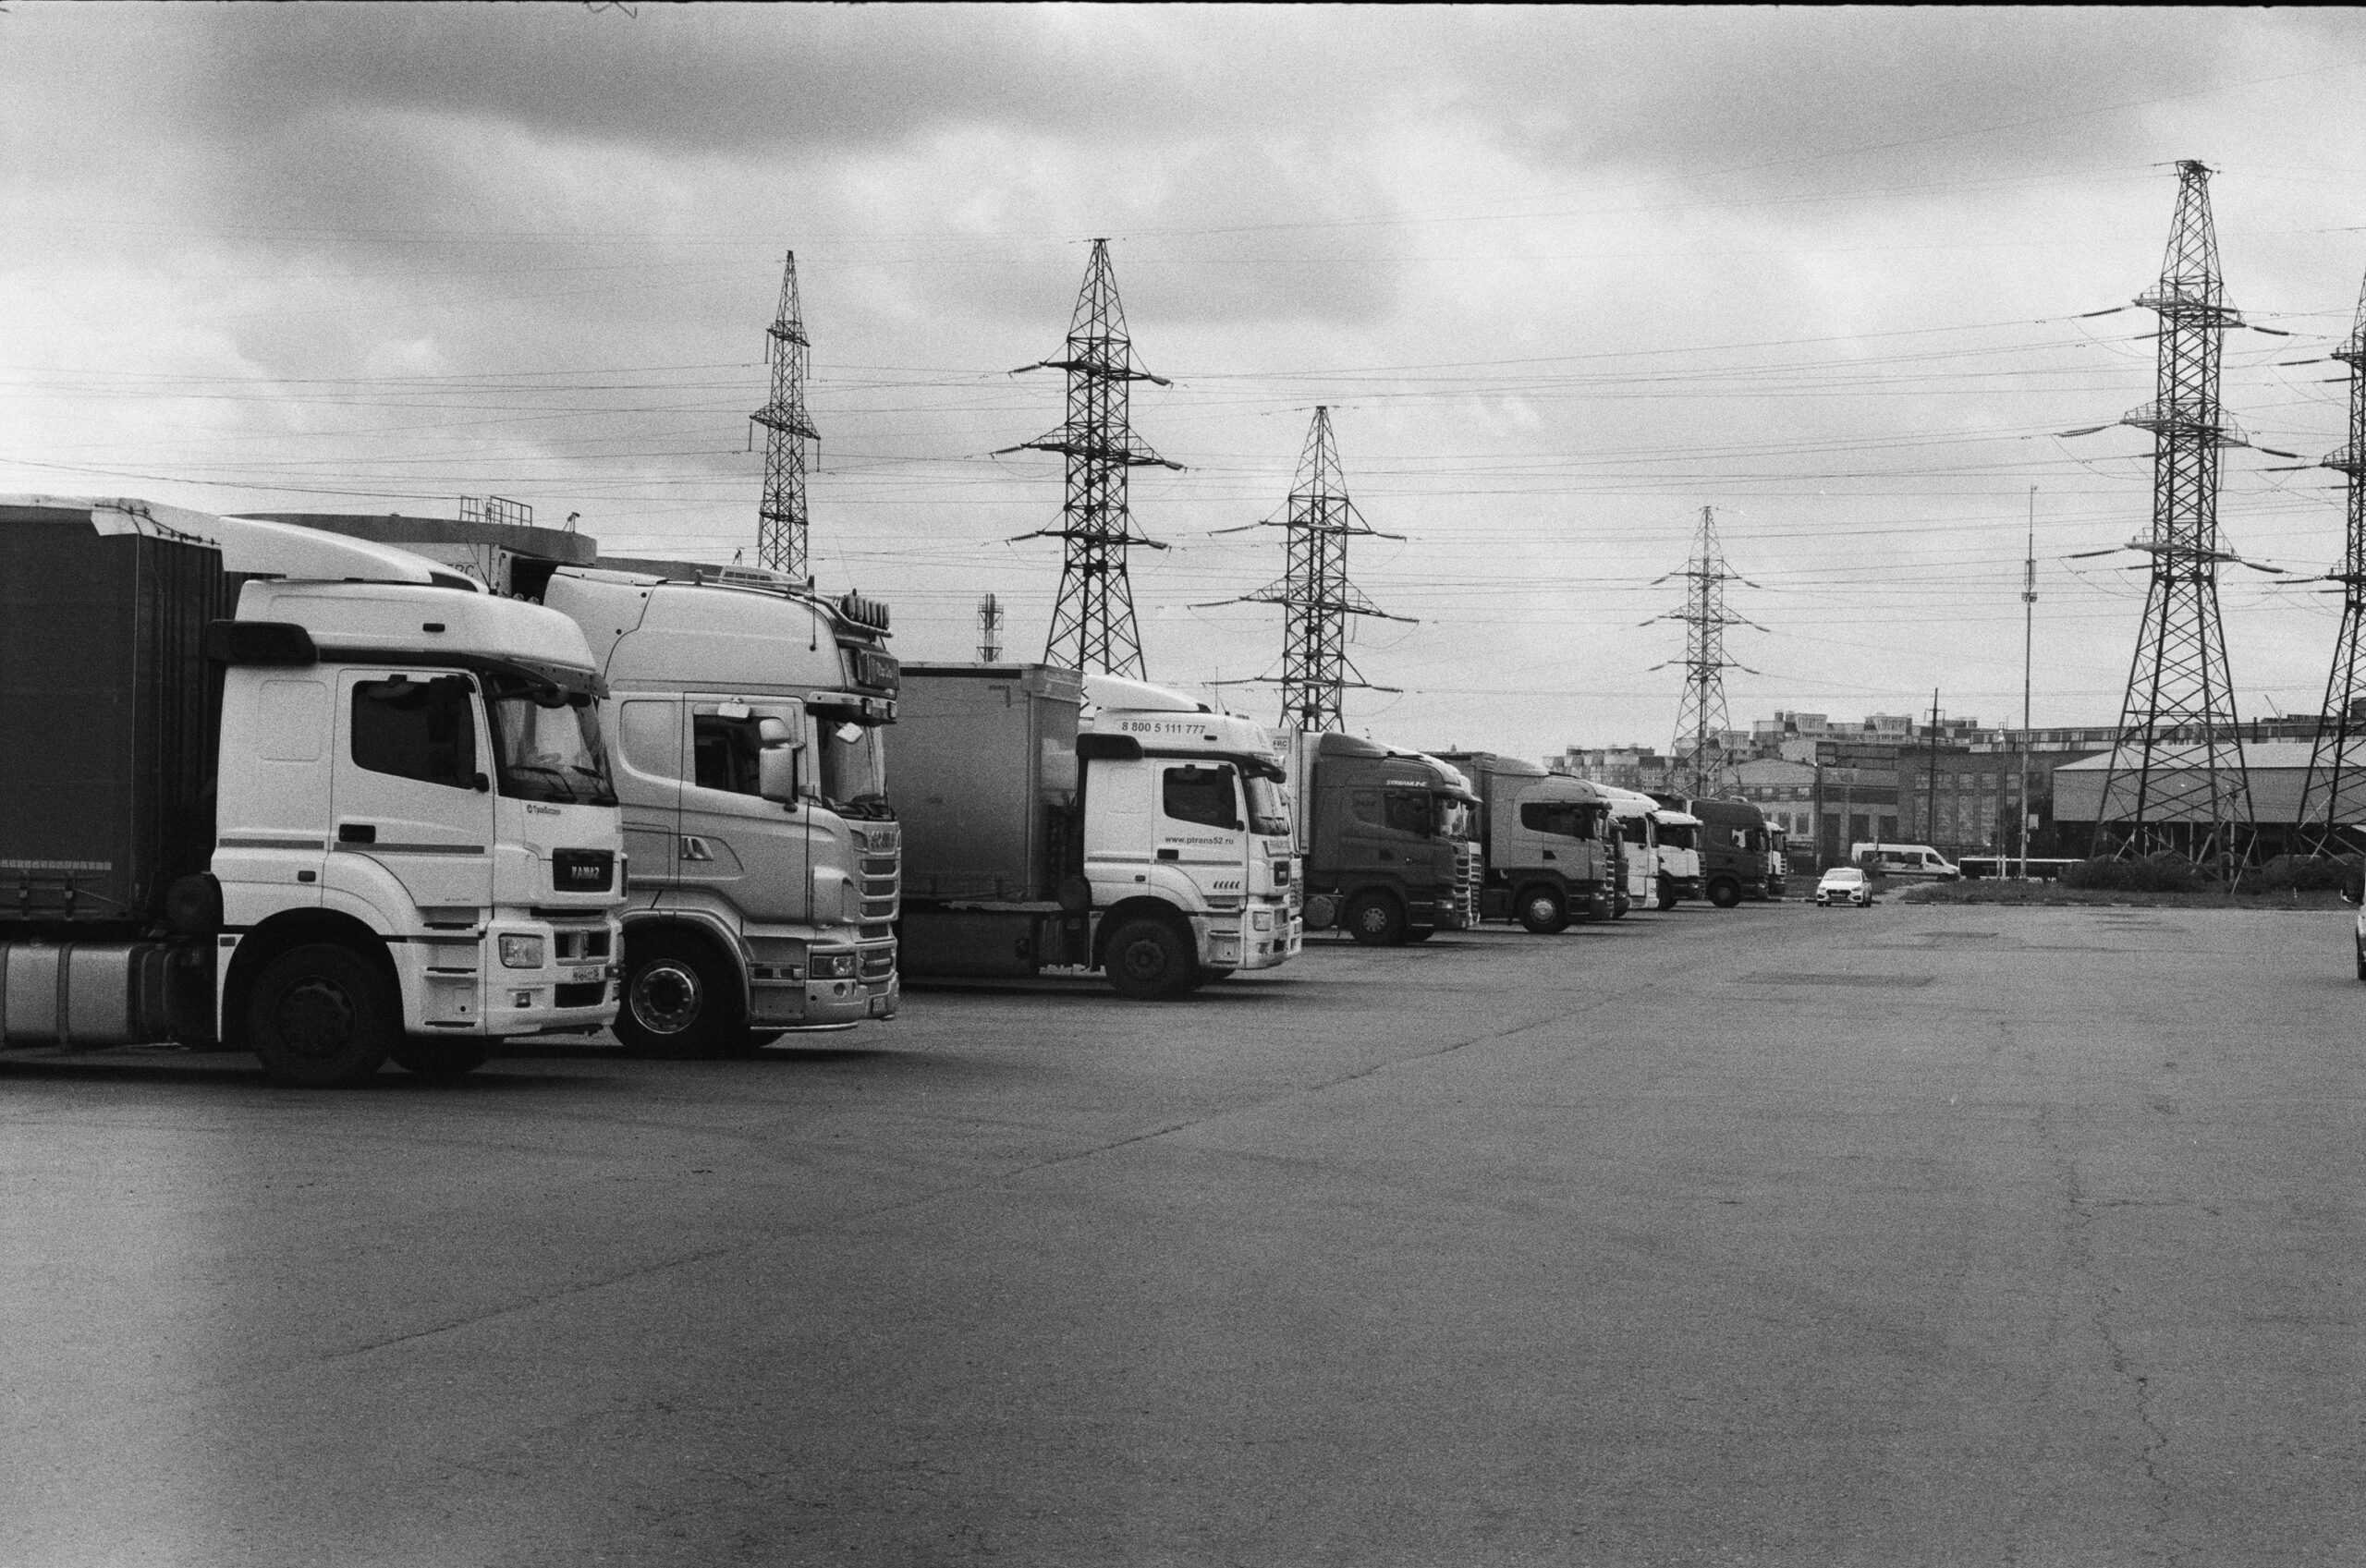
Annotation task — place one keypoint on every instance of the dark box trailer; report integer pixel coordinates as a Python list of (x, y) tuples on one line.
[(983, 779), (109, 716)]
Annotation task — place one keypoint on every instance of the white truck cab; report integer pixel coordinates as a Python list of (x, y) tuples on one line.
[(366, 816), (1186, 810)]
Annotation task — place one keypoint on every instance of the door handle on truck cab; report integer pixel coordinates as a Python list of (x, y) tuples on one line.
[(1170, 855), (1548, 854), (357, 833)]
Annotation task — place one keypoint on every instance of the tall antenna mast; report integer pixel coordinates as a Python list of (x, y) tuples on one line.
[(1314, 594), (2332, 769), (1701, 715), (1093, 624), (2177, 781), (2028, 648), (989, 630), (780, 521)]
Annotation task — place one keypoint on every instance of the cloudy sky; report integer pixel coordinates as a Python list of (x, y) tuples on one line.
[(1563, 277)]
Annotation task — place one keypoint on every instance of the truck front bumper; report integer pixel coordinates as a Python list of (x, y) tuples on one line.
[(1257, 937)]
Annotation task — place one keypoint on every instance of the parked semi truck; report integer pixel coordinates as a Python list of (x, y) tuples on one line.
[(743, 717), (1058, 821), (1679, 854), (1733, 847), (272, 790), (1547, 855), (1383, 836), (746, 716), (1632, 817)]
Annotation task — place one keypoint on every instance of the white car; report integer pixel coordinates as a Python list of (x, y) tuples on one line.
[(1844, 884)]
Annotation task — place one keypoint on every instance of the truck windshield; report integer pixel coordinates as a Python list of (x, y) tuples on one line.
[(546, 743), (850, 773), (1269, 807)]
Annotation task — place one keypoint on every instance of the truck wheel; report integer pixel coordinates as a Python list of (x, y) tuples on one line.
[(320, 1017), (678, 1001), (1724, 895), (1376, 920), (1667, 892), (1620, 906), (1542, 911), (429, 1058), (2361, 958), (1147, 960)]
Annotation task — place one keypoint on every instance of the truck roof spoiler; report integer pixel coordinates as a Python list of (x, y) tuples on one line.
[(254, 548)]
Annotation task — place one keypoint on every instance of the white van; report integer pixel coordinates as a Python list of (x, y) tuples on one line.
[(1908, 862)]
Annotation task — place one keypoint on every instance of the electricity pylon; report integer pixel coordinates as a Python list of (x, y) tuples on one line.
[(989, 629), (2177, 781), (1701, 716), (780, 521), (2329, 791), (1093, 624), (1314, 594)]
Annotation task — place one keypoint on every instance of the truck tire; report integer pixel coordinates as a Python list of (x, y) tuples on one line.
[(1619, 905), (1543, 911), (1725, 892), (1419, 933), (1667, 892), (444, 1058), (1375, 919), (320, 1017), (1146, 960), (679, 1001)]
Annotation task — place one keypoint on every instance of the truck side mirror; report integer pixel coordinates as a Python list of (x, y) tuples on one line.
[(776, 772)]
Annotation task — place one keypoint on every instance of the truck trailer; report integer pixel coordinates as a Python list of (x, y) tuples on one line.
[(1382, 835), (1053, 819), (272, 790), (1547, 855)]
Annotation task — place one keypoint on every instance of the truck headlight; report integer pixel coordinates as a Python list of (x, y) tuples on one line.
[(834, 966), (1261, 920), (521, 953)]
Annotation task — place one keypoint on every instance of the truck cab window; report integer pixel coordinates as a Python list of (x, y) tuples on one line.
[(1560, 817), (416, 729), (723, 753), (546, 742), (851, 776), (1204, 795), (1409, 812), (1363, 805), (1269, 805)]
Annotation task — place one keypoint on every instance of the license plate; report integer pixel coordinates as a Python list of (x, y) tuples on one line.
[(596, 972)]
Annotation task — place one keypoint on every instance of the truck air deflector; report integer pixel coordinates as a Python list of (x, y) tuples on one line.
[(276, 645)]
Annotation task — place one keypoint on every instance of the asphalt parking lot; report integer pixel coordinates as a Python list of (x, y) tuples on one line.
[(1908, 1235)]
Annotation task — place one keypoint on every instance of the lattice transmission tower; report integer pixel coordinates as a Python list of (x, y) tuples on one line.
[(1700, 717), (2177, 781), (2330, 791), (1314, 594), (1093, 624), (781, 519), (989, 629)]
